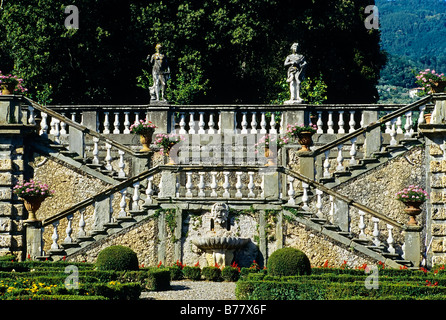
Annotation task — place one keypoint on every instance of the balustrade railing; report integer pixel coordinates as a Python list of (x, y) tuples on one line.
[(232, 184)]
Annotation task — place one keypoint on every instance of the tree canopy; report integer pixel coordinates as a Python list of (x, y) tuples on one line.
[(220, 51)]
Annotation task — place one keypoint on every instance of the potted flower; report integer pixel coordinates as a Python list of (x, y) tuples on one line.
[(412, 197), (431, 82), (33, 193), (145, 130), (165, 142), (11, 84), (303, 133), (270, 144)]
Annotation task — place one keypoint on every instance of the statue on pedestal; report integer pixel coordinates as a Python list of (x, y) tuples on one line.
[(160, 73), (296, 63)]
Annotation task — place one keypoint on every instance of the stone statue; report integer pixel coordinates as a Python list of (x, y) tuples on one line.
[(160, 73), (296, 63), (220, 212)]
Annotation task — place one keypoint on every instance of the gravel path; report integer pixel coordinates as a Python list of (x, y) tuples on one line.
[(194, 290)]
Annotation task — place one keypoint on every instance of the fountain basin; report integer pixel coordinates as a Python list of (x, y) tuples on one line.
[(220, 250)]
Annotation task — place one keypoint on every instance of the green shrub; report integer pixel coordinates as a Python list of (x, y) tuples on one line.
[(211, 273), (288, 262), (176, 272), (229, 273), (158, 279), (117, 258), (192, 273)]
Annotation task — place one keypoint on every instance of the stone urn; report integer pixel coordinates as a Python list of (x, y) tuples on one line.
[(220, 250), (7, 88), (305, 139), (271, 157), (146, 139), (32, 204), (412, 210)]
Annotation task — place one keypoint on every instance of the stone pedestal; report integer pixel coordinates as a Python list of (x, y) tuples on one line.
[(413, 245), (34, 239)]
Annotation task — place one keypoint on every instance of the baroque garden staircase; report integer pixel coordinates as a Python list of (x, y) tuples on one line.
[(305, 194)]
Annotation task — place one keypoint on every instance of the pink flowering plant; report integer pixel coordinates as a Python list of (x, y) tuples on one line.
[(10, 80), (32, 188), (293, 130), (427, 79), (412, 194), (166, 141), (142, 127), (269, 141)]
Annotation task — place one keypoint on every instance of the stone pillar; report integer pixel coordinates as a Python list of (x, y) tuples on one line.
[(10, 110), (162, 237), (227, 122), (372, 137), (306, 164), (413, 245), (34, 239), (177, 234), (341, 215), (271, 185), (168, 183), (160, 117), (293, 116)]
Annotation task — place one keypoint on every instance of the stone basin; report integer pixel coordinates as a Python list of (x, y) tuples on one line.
[(229, 243), (220, 250)]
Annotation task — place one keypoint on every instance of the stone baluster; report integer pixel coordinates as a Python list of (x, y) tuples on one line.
[(362, 225), (137, 117), (375, 233), (263, 123), (201, 185), (353, 152), (81, 233), (201, 123), (116, 123), (388, 125), (108, 158), (69, 230), (126, 122), (326, 164), (251, 185), (352, 122), (226, 184), (393, 141), (291, 191), (123, 203), (32, 116), (182, 123), (211, 123), (219, 123), (73, 116), (340, 159), (52, 126), (149, 191), (341, 122), (238, 185), (421, 119), (56, 132), (319, 122), (213, 184), (305, 187), (319, 205), (390, 247), (272, 123), (244, 123), (121, 164), (95, 150), (136, 196), (189, 185), (254, 123), (55, 236), (106, 123), (330, 123), (408, 126), (43, 125), (191, 122), (399, 123), (63, 127)]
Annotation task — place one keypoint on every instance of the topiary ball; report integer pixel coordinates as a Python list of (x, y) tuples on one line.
[(288, 262), (118, 258)]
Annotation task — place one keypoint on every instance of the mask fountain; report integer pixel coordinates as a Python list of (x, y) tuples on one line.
[(218, 242)]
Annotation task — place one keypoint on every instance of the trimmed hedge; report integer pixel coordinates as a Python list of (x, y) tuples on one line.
[(192, 273), (211, 273), (117, 258), (288, 262)]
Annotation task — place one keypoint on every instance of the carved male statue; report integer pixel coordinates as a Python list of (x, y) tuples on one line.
[(160, 73), (296, 63)]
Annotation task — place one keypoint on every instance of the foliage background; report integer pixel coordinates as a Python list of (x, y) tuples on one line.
[(220, 51)]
